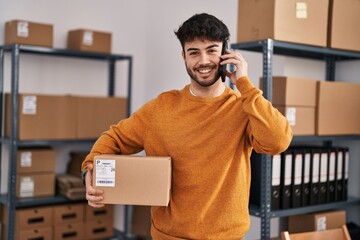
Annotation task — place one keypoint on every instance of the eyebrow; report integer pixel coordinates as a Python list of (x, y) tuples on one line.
[(194, 49)]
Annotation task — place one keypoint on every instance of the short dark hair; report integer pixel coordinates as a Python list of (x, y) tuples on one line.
[(202, 26)]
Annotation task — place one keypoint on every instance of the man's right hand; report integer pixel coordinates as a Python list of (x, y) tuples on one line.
[(93, 195)]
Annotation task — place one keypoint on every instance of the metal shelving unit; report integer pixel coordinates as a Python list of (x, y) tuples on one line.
[(268, 48), (13, 142)]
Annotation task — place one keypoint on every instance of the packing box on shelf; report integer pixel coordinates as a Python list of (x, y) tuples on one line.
[(70, 213), (42, 117), (317, 221), (30, 218), (295, 21), (35, 185), (344, 21), (301, 119), (73, 231), (89, 40), (36, 160), (94, 214), (338, 105), (133, 180), (99, 229), (30, 33), (35, 233), (96, 114)]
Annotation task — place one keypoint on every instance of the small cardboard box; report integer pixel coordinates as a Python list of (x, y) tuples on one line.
[(338, 105), (70, 213), (35, 185), (36, 160), (295, 21), (93, 214), (96, 114), (317, 221), (42, 117), (99, 229), (133, 180), (45, 233), (290, 91), (30, 218), (89, 40), (344, 22), (301, 119), (73, 231), (30, 33)]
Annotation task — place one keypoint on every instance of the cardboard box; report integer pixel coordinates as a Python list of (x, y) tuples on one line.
[(133, 180), (290, 91), (36, 160), (45, 233), (31, 218), (30, 33), (35, 185), (336, 234), (42, 117), (301, 119), (89, 40), (96, 114), (344, 24), (99, 229), (317, 221), (338, 105), (295, 21), (105, 213), (70, 213), (74, 231)]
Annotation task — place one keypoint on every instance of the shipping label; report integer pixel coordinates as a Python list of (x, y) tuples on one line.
[(105, 173)]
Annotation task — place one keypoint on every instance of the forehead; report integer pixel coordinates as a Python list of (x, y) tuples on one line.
[(201, 44)]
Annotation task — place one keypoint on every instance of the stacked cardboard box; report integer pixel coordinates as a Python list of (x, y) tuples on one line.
[(89, 40), (99, 222), (295, 98), (35, 172), (70, 186), (69, 222), (74, 164)]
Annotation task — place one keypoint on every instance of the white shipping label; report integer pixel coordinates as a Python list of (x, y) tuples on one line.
[(321, 224), (105, 173), (291, 115), (27, 187), (25, 159), (29, 105), (22, 29), (88, 38), (301, 10)]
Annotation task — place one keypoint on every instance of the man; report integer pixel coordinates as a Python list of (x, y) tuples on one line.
[(209, 131)]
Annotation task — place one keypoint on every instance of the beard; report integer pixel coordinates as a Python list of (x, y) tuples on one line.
[(203, 83)]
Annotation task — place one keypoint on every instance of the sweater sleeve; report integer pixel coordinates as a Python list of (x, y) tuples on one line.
[(126, 137), (268, 130)]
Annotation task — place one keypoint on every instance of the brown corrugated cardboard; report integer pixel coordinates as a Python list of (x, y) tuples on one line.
[(37, 217), (284, 20), (133, 180), (89, 40), (301, 119), (74, 231), (30, 33), (94, 214), (76, 159), (290, 91), (99, 229), (317, 221), (96, 114), (45, 233), (43, 117), (70, 213), (338, 105), (36, 160), (344, 22), (35, 185)]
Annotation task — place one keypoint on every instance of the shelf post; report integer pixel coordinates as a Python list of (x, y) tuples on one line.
[(1, 102), (111, 86), (265, 188), (330, 68)]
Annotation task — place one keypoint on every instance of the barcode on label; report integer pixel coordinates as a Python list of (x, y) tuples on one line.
[(105, 182)]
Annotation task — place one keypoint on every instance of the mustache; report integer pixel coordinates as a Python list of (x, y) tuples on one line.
[(205, 66)]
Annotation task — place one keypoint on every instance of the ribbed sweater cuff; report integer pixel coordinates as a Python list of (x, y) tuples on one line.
[(244, 84)]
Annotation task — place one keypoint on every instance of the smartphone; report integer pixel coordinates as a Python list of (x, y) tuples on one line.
[(222, 68)]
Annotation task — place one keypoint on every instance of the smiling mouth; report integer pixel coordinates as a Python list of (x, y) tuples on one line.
[(205, 70)]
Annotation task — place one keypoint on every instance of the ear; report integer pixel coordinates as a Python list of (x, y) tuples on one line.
[(183, 54)]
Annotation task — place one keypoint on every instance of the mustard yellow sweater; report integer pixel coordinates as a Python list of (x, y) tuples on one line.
[(210, 142)]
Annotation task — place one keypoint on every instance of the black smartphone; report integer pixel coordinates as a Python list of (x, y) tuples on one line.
[(222, 68)]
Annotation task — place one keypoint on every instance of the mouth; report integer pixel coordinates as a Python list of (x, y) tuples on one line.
[(205, 70)]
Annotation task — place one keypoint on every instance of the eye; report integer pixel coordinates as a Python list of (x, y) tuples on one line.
[(212, 51), (193, 53)]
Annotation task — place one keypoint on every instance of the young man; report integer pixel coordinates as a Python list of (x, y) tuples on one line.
[(209, 131)]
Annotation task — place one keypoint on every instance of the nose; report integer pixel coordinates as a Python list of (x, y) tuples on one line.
[(204, 58)]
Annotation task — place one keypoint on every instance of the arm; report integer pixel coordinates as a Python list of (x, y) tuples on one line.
[(268, 130)]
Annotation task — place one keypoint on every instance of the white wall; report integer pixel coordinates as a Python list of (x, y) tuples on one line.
[(145, 30)]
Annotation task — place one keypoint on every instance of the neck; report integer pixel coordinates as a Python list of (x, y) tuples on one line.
[(212, 91)]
